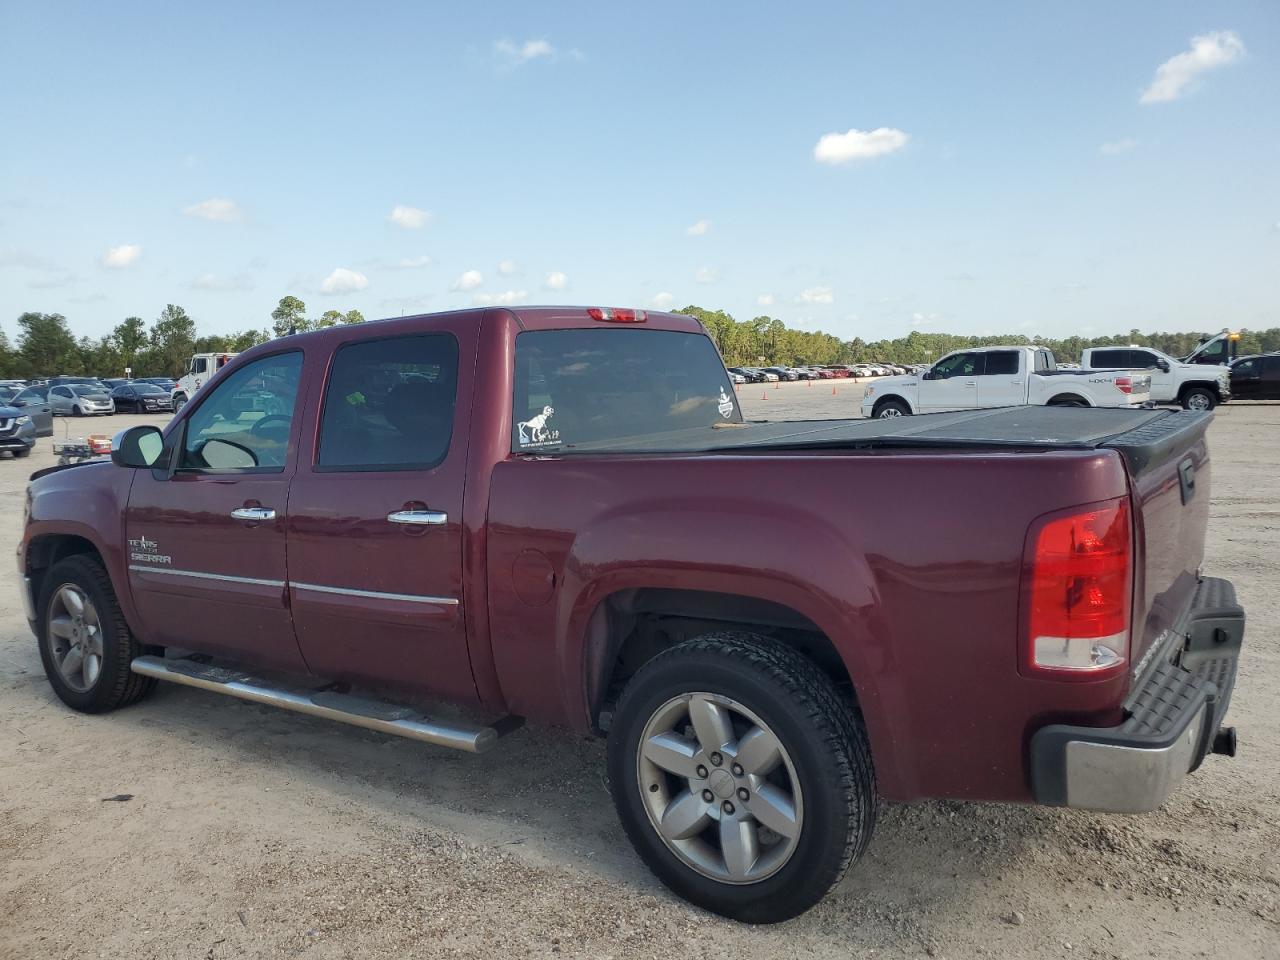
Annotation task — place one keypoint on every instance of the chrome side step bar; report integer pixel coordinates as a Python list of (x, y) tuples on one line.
[(343, 707)]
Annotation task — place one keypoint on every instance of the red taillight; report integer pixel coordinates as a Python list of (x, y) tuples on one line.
[(1078, 591), (617, 314), (1124, 384)]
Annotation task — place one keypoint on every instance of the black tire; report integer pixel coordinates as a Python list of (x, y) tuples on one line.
[(817, 727), (891, 404), (179, 402), (76, 411), (116, 685), (23, 452), (1198, 398), (1067, 400)]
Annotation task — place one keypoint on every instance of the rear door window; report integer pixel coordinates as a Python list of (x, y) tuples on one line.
[(389, 404), (1118, 359), (1001, 363), (584, 388)]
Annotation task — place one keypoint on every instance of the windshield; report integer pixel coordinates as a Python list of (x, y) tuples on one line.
[(147, 388), (578, 388), (84, 389)]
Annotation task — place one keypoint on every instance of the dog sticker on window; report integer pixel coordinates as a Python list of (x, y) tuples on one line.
[(534, 432), (725, 406)]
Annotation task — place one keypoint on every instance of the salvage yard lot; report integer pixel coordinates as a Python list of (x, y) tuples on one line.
[(252, 832)]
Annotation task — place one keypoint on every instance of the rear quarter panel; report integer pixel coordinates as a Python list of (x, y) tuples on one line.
[(909, 563)]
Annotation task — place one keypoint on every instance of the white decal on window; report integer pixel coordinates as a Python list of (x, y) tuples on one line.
[(534, 432), (726, 405)]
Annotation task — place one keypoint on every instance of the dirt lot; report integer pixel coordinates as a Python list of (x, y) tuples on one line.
[(253, 832)]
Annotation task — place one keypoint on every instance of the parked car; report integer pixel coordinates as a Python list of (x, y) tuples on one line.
[(783, 373), (17, 431), (80, 400), (1194, 386), (141, 397), (164, 383), (1256, 377), (63, 381), (546, 530), (1003, 377), (112, 382), (34, 402)]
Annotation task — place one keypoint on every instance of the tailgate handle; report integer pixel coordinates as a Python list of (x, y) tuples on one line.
[(1187, 480)]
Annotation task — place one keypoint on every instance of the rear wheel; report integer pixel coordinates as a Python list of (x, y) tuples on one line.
[(1199, 398), (85, 644), (886, 409), (742, 777), (1067, 400)]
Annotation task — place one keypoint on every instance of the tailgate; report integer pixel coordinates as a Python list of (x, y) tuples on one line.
[(1168, 464)]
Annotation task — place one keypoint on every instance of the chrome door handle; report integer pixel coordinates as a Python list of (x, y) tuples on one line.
[(253, 513), (971, 383), (424, 518)]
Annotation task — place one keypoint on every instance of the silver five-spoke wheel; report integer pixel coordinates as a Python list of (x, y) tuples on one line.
[(75, 637), (719, 787)]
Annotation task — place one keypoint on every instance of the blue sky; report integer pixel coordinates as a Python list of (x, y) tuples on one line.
[(1004, 172)]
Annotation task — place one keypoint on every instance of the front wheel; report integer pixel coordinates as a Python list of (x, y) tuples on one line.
[(179, 402), (76, 411), (742, 776), (85, 644), (22, 452), (1199, 398), (892, 408)]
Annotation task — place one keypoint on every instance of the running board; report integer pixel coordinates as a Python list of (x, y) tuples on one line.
[(343, 707)]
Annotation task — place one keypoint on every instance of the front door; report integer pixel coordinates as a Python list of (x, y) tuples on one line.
[(954, 384), (375, 516), (207, 534), (1247, 379)]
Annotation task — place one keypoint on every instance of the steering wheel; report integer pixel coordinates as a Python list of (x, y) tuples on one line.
[(270, 418)]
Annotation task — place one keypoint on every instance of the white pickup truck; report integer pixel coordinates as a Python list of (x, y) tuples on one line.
[(1003, 377), (203, 366), (1195, 386)]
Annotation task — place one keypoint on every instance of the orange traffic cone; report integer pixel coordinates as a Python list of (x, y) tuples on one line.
[(764, 395), (808, 383), (833, 391), (777, 384)]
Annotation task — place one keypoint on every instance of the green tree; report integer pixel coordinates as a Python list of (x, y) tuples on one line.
[(46, 346), (171, 344), (290, 315), (353, 316), (130, 339)]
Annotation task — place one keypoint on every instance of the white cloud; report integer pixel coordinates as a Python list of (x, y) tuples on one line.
[(663, 300), (1176, 75), (698, 229), (1113, 147), (210, 281), (343, 280), (508, 268), (816, 295), (122, 256), (924, 319), (766, 300), (218, 209), (555, 281), (413, 263), (504, 299), (411, 218), (706, 275), (468, 280), (836, 148), (514, 54)]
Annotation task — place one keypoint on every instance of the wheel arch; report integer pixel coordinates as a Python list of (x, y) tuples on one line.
[(1066, 399), (1209, 385), (47, 550), (881, 401)]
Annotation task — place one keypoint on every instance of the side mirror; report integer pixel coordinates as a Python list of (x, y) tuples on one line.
[(929, 375), (1163, 365), (137, 447)]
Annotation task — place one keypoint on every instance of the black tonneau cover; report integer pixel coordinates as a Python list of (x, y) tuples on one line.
[(1143, 437)]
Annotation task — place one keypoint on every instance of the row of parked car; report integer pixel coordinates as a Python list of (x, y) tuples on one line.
[(27, 407), (818, 372)]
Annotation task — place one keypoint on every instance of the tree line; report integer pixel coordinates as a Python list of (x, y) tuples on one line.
[(46, 346)]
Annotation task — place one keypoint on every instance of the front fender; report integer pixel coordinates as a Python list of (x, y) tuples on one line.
[(86, 502)]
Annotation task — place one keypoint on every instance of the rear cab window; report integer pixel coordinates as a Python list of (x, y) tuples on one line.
[(615, 389)]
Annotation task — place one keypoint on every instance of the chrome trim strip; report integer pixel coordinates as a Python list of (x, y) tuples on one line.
[(28, 601), (225, 578), (375, 594)]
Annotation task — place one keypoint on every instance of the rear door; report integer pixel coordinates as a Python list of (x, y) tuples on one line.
[(207, 542), (1247, 379), (35, 404), (1270, 378), (1001, 382), (375, 514), (954, 384), (1162, 383)]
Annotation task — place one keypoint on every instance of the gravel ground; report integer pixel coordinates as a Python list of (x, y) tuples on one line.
[(250, 832)]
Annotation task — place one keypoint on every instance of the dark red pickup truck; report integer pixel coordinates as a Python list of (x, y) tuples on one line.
[(559, 514)]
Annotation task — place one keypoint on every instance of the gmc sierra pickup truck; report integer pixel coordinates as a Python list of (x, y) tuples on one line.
[(1003, 377), (556, 514)]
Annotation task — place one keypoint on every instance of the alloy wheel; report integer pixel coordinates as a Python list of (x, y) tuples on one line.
[(74, 636), (719, 788)]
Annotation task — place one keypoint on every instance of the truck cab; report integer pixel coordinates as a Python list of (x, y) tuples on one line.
[(201, 369)]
